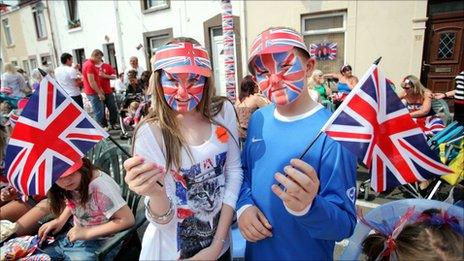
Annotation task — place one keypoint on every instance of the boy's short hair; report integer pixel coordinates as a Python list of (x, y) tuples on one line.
[(65, 57)]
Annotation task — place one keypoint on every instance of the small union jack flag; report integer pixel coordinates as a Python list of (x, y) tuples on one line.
[(49, 139), (323, 51), (374, 124), (276, 40), (182, 57)]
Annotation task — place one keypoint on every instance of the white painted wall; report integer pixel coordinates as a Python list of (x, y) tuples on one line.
[(97, 21)]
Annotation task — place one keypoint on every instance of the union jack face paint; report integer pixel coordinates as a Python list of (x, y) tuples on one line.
[(182, 91), (280, 76)]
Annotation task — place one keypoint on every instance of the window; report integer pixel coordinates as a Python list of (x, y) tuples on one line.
[(26, 66), (7, 30), (33, 63), (154, 5), (72, 13), (324, 34), (46, 61), (14, 63), (79, 56), (39, 20)]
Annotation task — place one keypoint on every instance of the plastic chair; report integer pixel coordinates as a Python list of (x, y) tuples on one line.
[(111, 161), (391, 212), (441, 108)]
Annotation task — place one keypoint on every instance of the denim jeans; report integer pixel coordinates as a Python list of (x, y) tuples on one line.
[(63, 249), (110, 103), (98, 109)]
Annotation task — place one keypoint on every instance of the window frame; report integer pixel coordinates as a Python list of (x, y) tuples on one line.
[(147, 42), (146, 9), (6, 29), (77, 19), (35, 15), (342, 29)]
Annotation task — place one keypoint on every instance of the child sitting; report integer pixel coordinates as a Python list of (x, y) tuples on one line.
[(94, 200), (433, 235), (130, 115)]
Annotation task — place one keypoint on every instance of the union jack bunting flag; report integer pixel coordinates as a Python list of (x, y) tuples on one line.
[(182, 57), (50, 137), (323, 51), (374, 124), (276, 40)]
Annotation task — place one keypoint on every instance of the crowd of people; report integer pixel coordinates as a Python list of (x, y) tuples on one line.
[(202, 162)]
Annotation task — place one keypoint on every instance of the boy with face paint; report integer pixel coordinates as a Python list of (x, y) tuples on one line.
[(290, 208)]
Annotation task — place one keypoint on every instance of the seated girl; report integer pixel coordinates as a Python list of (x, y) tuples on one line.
[(94, 201), (324, 92), (418, 100)]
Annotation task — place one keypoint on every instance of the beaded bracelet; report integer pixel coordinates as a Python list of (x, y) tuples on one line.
[(163, 218)]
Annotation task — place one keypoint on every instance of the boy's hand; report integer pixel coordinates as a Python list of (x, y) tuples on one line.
[(78, 232), (254, 225), (8, 194), (301, 185)]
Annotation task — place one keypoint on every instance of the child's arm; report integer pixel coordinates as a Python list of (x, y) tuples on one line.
[(426, 106), (121, 219), (55, 225)]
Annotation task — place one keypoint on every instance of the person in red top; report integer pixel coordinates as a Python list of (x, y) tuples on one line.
[(107, 73), (92, 87)]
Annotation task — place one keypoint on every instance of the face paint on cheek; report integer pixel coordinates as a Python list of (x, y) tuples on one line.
[(182, 91), (280, 76)]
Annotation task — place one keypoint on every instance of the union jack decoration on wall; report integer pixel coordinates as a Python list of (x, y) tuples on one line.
[(374, 124), (323, 51), (229, 56), (50, 137)]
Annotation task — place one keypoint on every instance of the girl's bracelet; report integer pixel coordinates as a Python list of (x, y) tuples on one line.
[(162, 219)]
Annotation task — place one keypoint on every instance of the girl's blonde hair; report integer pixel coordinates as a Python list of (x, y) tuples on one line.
[(416, 85), (9, 67), (165, 117)]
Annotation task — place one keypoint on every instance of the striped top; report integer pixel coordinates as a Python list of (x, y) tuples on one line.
[(459, 94)]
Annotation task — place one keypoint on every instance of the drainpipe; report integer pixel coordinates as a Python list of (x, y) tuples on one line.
[(119, 32), (55, 52)]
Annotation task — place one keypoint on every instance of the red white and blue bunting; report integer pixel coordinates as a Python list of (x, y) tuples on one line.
[(229, 56)]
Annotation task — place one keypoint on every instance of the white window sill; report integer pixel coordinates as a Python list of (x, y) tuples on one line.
[(77, 29)]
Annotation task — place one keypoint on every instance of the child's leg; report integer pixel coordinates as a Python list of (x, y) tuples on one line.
[(29, 222), (13, 210)]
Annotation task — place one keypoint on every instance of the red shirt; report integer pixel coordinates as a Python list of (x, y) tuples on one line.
[(89, 68), (105, 83)]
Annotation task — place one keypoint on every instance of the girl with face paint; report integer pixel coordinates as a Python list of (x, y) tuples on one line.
[(189, 144)]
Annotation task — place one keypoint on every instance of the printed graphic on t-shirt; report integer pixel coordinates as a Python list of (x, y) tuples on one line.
[(200, 190), (93, 213)]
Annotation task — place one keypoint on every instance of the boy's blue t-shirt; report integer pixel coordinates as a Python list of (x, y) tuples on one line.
[(272, 142)]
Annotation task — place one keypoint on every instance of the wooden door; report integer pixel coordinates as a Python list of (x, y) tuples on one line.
[(445, 53)]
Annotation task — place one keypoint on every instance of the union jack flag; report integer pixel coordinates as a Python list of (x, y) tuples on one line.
[(374, 124), (182, 57), (50, 137), (323, 51), (275, 39)]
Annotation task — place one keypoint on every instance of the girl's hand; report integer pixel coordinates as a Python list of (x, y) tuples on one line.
[(78, 232), (144, 178), (8, 194), (209, 253), (53, 226)]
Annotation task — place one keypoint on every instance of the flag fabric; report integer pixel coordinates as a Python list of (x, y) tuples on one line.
[(374, 124), (430, 125), (229, 52), (49, 139)]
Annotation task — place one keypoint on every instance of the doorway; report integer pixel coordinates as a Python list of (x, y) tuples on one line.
[(110, 53), (443, 55)]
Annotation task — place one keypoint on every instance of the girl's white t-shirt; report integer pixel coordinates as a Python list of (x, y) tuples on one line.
[(211, 178)]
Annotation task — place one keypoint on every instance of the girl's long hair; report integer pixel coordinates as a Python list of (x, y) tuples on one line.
[(57, 196), (416, 85), (165, 117)]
